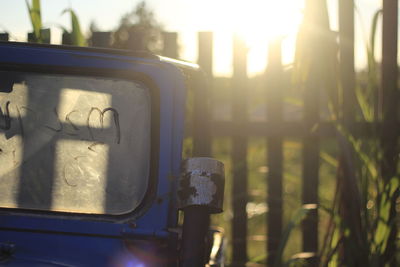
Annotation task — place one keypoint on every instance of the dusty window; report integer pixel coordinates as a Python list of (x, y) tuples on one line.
[(72, 143)]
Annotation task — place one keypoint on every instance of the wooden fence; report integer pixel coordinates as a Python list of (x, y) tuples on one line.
[(311, 130)]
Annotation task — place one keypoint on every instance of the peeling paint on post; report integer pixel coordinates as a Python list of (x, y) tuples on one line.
[(201, 193), (202, 184)]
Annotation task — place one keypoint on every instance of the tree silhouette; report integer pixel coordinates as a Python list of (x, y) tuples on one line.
[(139, 30)]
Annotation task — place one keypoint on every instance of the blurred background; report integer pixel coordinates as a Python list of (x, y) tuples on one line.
[(302, 109), (255, 20)]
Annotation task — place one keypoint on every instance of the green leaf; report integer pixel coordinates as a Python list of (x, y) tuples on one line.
[(36, 18), (61, 27), (366, 109), (384, 225), (76, 33), (294, 101), (329, 159), (367, 161), (377, 14), (296, 219)]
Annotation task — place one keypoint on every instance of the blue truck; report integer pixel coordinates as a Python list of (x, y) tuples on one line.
[(91, 161)]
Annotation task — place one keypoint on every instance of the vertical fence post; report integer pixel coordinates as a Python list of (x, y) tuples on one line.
[(201, 121), (346, 57), (311, 167), (389, 88), (317, 25), (274, 150), (239, 154), (45, 34), (66, 38), (347, 185), (170, 47), (390, 131), (206, 52), (101, 39), (4, 36)]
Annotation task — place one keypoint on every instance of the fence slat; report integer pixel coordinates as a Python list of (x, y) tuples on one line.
[(66, 38), (346, 56), (46, 36), (170, 48), (389, 137), (239, 155), (311, 162), (293, 129), (201, 120), (4, 36), (274, 150), (205, 59), (389, 87), (349, 204), (101, 39), (318, 42), (310, 191)]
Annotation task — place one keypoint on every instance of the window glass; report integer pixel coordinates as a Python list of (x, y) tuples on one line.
[(73, 143)]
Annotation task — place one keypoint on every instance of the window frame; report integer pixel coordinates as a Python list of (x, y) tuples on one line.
[(125, 74)]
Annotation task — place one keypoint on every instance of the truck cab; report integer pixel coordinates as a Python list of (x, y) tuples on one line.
[(91, 161)]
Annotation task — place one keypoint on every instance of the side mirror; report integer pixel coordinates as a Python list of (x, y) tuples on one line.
[(201, 194)]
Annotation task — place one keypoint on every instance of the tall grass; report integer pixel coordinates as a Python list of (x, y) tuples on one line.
[(361, 224), (358, 232), (35, 16), (75, 35)]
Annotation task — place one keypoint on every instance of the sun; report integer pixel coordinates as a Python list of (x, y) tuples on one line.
[(250, 17), (256, 19), (258, 22)]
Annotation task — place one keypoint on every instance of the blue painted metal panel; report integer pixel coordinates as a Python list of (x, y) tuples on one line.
[(62, 240)]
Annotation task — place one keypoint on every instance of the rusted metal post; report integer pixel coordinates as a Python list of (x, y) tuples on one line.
[(201, 194), (239, 154), (274, 150), (197, 218), (195, 228)]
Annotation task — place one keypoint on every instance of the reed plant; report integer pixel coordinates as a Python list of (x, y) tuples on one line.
[(361, 215), (35, 16), (360, 231), (75, 35)]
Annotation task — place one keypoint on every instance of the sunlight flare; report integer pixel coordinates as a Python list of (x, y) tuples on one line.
[(257, 22)]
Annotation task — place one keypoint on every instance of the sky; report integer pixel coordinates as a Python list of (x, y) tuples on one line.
[(187, 17)]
